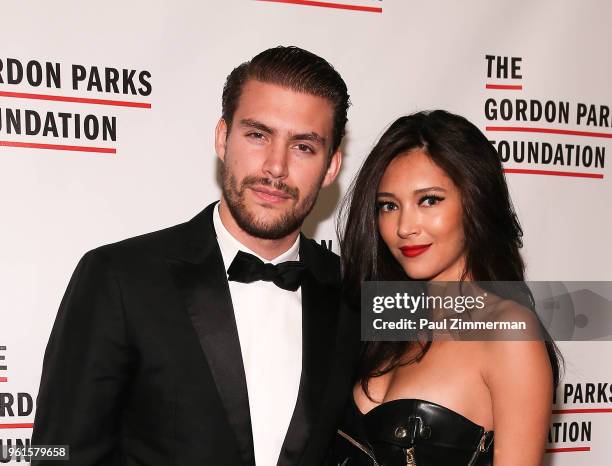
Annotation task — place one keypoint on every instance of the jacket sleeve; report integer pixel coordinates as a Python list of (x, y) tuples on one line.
[(85, 370)]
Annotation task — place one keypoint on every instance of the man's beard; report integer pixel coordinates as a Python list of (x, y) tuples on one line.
[(286, 224)]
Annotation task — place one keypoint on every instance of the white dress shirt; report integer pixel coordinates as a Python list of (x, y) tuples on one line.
[(269, 321)]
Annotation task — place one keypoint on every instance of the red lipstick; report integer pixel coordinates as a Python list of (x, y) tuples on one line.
[(413, 251)]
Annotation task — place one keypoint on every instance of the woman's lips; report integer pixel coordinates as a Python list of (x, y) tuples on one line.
[(413, 251)]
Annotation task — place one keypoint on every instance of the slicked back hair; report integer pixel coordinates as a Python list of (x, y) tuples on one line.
[(296, 69)]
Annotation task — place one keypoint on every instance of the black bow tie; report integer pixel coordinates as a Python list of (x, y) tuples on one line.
[(247, 268)]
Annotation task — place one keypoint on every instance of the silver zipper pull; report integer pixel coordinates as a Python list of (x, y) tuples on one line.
[(410, 461), (481, 445), (481, 448)]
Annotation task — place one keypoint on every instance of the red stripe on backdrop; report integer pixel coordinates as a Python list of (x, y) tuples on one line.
[(16, 426), (566, 132), (525, 171), (3, 379), (33, 145), (341, 6), (80, 100), (582, 410), (567, 450), (506, 87)]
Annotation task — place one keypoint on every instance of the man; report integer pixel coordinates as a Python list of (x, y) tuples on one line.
[(190, 345)]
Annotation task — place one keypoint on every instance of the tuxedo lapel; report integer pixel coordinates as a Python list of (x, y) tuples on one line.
[(320, 305), (199, 274)]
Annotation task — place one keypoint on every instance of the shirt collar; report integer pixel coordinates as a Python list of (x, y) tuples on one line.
[(230, 246)]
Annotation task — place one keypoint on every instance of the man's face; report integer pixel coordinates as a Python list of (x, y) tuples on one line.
[(275, 158)]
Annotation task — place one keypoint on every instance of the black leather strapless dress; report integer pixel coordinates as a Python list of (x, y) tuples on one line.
[(411, 432)]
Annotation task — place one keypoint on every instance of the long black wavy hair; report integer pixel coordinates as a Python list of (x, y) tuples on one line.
[(491, 228)]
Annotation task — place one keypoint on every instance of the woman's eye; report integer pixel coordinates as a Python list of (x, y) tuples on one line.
[(430, 201), (386, 206)]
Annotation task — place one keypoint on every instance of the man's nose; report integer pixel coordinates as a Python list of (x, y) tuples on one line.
[(276, 162)]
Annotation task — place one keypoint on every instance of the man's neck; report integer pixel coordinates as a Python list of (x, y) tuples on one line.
[(266, 248)]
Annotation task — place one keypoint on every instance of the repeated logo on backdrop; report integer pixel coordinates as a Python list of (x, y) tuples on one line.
[(548, 136), (16, 410), (571, 428), (24, 124)]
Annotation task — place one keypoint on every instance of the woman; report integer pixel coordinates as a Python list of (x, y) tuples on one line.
[(431, 203)]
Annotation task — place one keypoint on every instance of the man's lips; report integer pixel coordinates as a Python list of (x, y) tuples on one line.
[(413, 251), (270, 195)]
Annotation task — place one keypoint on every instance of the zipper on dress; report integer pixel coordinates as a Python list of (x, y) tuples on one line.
[(410, 461), (479, 449), (357, 444)]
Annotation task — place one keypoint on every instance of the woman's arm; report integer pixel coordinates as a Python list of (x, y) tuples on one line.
[(519, 377)]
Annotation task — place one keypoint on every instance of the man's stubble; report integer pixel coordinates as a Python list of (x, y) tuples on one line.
[(286, 224)]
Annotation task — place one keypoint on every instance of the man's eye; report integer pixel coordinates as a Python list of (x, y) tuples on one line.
[(255, 135), (386, 206), (305, 148), (430, 201)]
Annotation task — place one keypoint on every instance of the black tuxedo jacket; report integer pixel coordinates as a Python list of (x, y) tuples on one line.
[(143, 366)]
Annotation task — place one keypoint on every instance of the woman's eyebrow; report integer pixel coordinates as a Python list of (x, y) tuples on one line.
[(431, 188), (385, 194)]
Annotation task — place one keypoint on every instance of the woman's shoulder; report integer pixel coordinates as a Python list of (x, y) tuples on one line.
[(517, 348), (514, 322)]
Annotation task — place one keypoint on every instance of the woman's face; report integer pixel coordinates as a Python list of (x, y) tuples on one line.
[(420, 218)]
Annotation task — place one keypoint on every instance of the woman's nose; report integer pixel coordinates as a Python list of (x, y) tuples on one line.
[(408, 224)]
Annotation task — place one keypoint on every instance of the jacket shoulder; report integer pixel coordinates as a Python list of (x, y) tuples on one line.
[(155, 243)]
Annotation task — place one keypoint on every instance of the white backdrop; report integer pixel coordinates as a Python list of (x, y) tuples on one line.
[(397, 56)]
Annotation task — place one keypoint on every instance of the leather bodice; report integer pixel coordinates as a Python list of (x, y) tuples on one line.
[(411, 432)]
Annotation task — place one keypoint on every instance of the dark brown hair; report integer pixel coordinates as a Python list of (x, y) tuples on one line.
[(296, 69), (491, 227)]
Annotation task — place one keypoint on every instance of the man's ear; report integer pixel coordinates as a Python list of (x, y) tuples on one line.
[(221, 138), (333, 169)]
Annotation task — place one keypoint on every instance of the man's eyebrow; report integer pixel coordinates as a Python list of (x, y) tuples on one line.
[(256, 125), (312, 136)]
